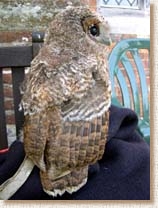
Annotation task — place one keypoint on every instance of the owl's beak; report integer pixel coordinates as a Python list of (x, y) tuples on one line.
[(107, 41), (105, 35)]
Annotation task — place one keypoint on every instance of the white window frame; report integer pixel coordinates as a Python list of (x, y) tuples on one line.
[(142, 5), (126, 20)]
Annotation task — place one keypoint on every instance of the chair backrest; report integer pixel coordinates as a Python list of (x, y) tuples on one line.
[(17, 58), (128, 76)]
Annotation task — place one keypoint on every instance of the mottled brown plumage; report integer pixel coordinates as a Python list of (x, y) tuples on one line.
[(66, 97)]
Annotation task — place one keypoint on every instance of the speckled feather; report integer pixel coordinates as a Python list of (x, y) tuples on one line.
[(66, 97)]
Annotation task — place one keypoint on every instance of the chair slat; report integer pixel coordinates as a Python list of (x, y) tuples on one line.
[(123, 87), (3, 130), (114, 58), (17, 78), (143, 84), (132, 79)]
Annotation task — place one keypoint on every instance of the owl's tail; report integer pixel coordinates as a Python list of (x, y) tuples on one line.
[(10, 186), (69, 182)]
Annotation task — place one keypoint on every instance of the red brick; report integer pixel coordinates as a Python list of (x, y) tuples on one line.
[(129, 55), (7, 78), (11, 36), (146, 64), (9, 104), (126, 36), (10, 119), (92, 4), (148, 81), (8, 91)]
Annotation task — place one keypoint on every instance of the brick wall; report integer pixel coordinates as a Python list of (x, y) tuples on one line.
[(92, 4), (24, 37)]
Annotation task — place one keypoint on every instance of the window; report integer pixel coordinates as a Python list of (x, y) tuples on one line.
[(130, 4), (126, 16)]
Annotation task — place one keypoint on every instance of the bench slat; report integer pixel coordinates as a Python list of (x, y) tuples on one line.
[(17, 77), (3, 130), (15, 56)]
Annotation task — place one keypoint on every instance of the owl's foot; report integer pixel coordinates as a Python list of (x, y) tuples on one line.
[(70, 183)]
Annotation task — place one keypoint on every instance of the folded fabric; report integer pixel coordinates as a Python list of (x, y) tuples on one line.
[(123, 173)]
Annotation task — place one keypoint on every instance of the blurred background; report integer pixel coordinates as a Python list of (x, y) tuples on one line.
[(19, 17)]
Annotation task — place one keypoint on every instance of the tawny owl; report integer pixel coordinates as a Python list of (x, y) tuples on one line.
[(66, 98)]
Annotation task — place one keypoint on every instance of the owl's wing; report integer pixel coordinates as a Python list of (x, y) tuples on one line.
[(35, 138), (40, 115), (39, 129)]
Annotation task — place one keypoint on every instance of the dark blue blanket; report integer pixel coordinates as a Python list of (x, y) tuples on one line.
[(122, 174)]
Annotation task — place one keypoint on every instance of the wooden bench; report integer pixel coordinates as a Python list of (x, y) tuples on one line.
[(18, 58)]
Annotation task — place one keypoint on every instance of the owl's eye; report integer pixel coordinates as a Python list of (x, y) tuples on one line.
[(94, 30)]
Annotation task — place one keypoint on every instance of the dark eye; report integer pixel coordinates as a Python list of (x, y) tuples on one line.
[(94, 30)]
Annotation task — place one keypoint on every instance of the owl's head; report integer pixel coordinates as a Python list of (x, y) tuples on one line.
[(83, 37), (76, 23)]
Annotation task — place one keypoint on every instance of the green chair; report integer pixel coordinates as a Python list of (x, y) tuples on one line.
[(128, 79)]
